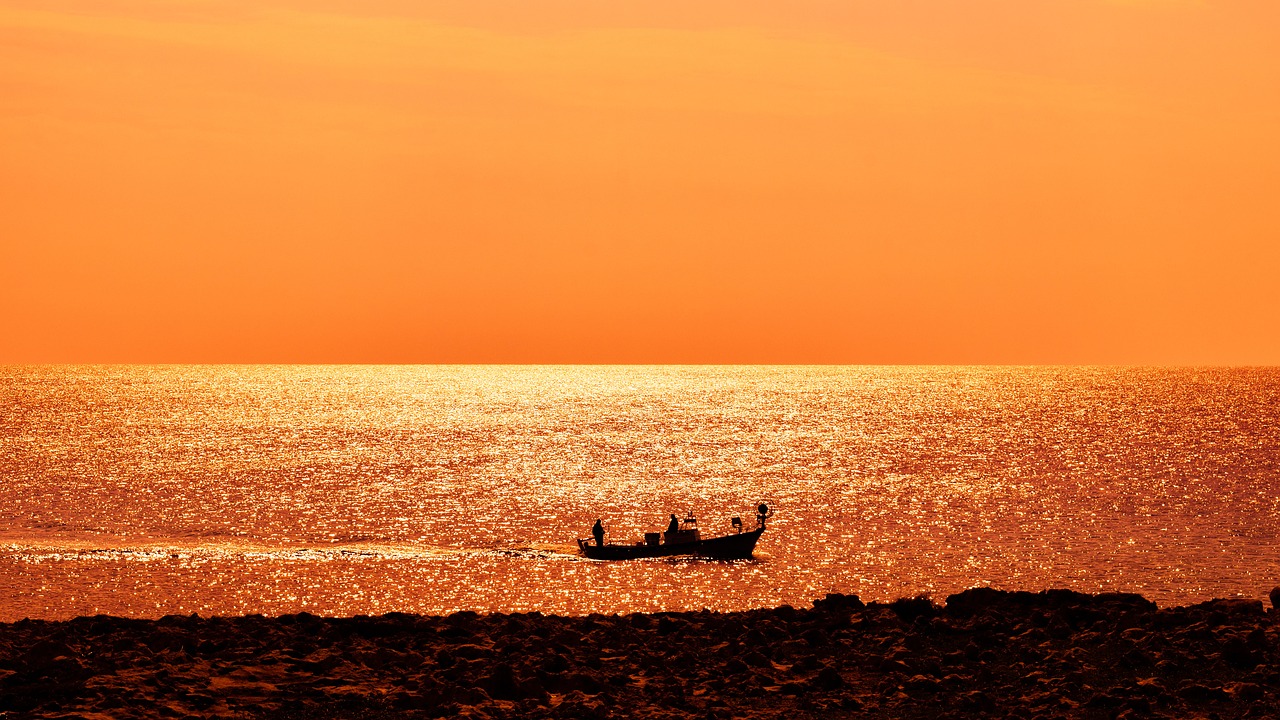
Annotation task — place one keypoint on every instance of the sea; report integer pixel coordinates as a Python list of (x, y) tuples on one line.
[(144, 491)]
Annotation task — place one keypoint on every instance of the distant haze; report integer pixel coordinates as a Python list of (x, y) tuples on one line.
[(920, 181)]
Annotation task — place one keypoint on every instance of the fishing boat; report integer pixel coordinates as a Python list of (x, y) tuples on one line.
[(682, 539)]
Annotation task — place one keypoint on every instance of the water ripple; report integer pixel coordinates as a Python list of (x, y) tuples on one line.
[(145, 490)]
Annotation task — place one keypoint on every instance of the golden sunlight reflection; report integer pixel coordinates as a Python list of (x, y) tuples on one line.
[(354, 490)]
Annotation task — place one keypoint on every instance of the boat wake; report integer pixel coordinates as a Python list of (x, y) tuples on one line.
[(87, 552)]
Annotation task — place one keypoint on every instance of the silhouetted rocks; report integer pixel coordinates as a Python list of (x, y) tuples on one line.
[(1051, 654)]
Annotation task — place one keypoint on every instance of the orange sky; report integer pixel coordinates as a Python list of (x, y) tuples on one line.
[(847, 181)]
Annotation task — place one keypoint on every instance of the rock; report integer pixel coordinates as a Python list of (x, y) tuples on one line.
[(806, 663), (790, 649), (794, 688), (501, 683), (815, 637), (1122, 601), (828, 679), (889, 666), (1007, 654), (973, 601), (579, 682), (1149, 687), (640, 621), (835, 602), (1232, 608), (1248, 692), (468, 651), (666, 625), (1275, 598), (1104, 701), (43, 655), (578, 705), (1238, 653), (1200, 694), (1137, 707), (909, 609), (319, 662), (921, 686), (412, 701), (977, 700), (555, 662)]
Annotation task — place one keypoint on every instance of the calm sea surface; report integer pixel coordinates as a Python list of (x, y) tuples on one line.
[(144, 491)]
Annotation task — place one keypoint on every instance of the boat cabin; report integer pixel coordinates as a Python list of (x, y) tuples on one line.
[(688, 532)]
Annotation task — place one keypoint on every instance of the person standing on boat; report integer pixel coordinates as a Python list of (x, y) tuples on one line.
[(597, 531), (674, 525)]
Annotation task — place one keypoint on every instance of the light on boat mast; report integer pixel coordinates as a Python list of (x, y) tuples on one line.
[(762, 514)]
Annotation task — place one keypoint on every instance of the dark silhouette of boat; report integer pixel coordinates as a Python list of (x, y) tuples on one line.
[(683, 540)]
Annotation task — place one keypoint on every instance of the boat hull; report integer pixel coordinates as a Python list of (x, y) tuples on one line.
[(727, 547)]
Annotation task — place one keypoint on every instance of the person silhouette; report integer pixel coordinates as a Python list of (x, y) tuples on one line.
[(674, 525), (597, 531)]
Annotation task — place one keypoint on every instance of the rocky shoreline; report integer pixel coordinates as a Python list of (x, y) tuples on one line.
[(984, 652)]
